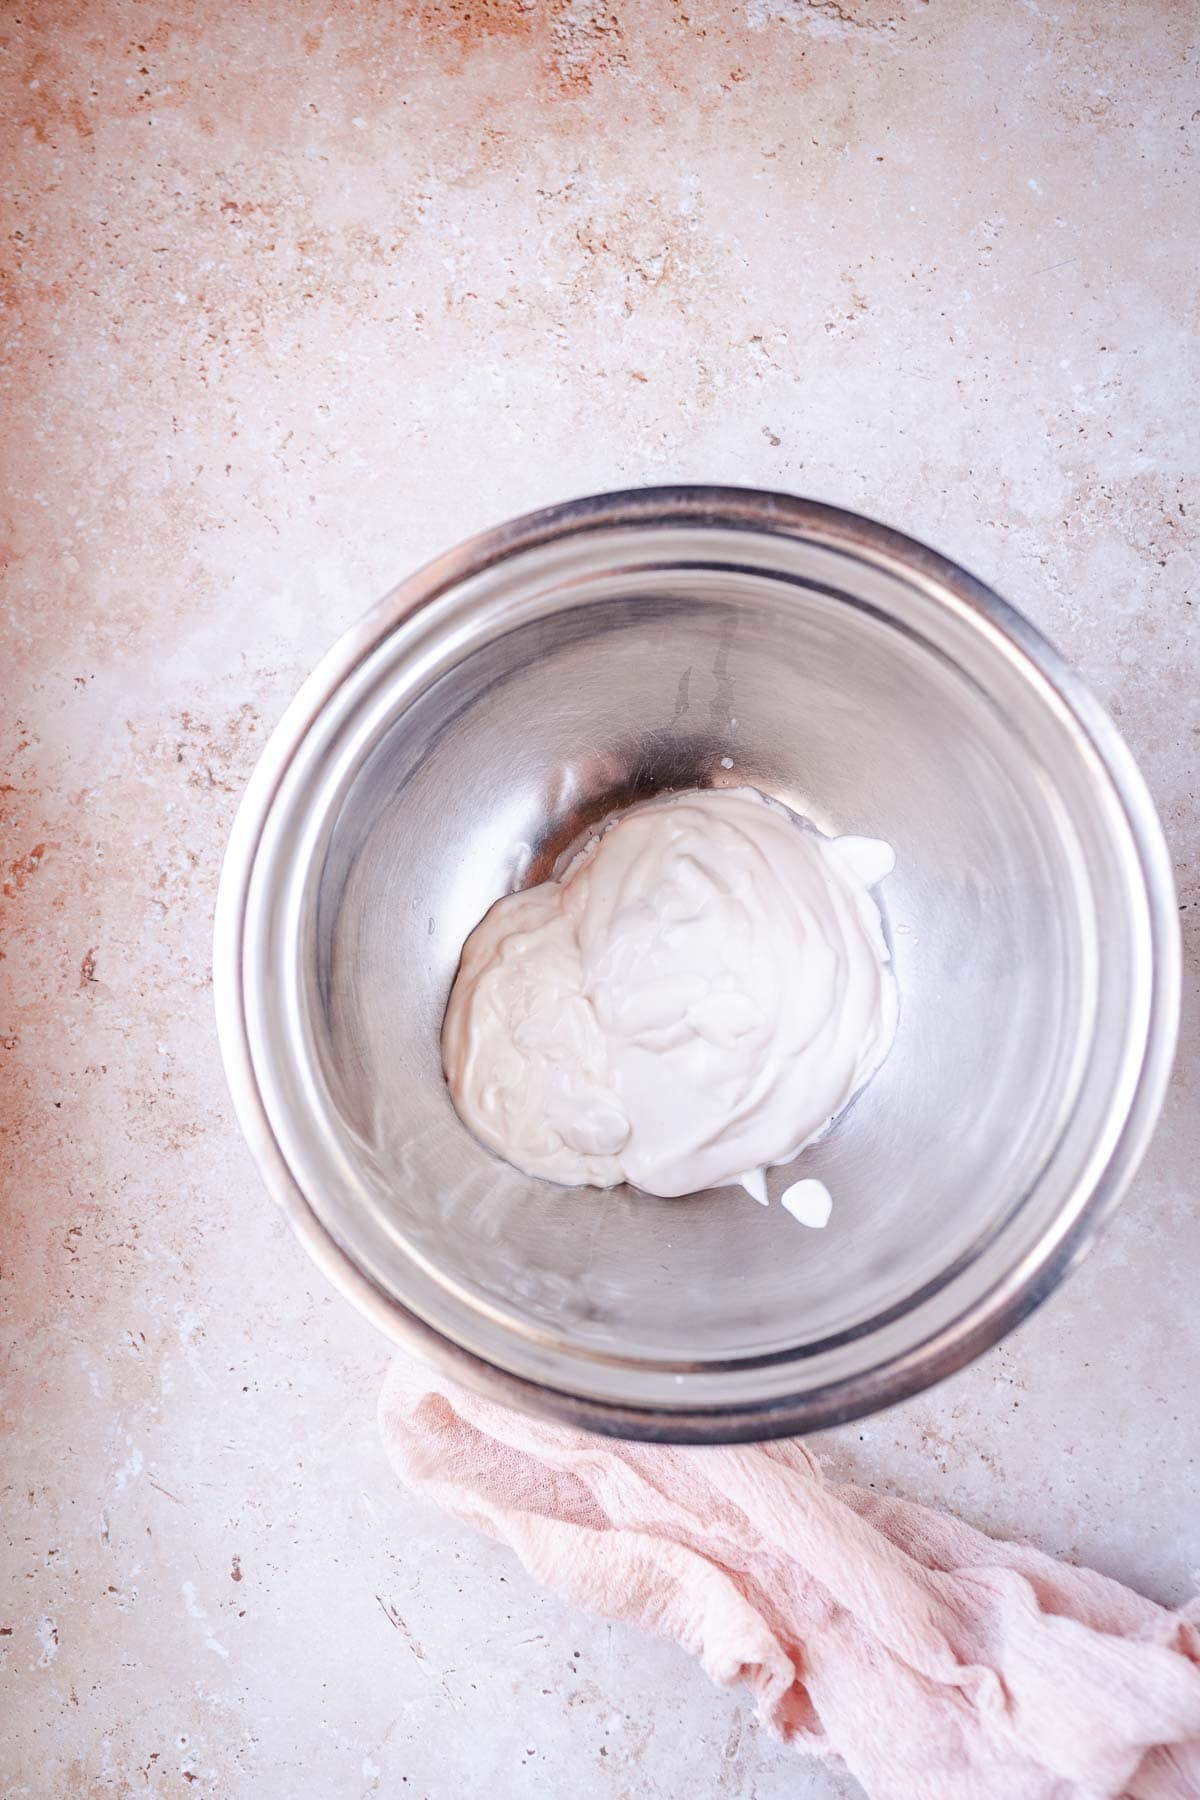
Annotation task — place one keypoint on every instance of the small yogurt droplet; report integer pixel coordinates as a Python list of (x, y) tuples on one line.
[(809, 1202), (755, 1183), (870, 859), (727, 762)]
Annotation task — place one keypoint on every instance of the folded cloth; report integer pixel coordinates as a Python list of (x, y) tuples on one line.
[(935, 1662)]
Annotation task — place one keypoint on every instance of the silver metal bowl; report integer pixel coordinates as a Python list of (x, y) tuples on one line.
[(546, 673)]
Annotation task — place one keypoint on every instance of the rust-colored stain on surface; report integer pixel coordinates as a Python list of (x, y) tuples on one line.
[(22, 871)]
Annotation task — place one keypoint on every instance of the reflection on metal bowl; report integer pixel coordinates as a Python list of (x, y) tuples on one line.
[(525, 686)]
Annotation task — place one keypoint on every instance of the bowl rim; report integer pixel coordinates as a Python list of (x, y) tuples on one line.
[(988, 1317)]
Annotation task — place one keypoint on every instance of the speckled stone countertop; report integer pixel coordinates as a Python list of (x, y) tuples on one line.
[(295, 296)]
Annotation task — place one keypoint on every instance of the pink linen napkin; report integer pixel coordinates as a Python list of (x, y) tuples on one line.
[(935, 1662)]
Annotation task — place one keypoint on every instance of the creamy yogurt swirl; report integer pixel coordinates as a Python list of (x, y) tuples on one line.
[(693, 1000)]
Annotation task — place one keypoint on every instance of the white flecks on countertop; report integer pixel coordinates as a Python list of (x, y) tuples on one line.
[(296, 298)]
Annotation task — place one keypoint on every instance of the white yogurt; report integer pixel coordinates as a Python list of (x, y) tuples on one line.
[(809, 1202), (690, 1002)]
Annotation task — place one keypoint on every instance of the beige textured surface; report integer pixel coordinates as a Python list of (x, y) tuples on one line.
[(294, 296)]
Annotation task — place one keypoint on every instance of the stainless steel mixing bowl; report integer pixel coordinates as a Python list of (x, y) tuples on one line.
[(540, 676)]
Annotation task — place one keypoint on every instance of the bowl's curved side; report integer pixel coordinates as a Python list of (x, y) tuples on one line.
[(995, 1311)]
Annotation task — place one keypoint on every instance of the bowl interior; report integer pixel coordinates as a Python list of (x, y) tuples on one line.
[(836, 700)]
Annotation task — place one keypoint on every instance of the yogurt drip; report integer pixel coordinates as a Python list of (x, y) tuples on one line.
[(691, 1001), (808, 1201)]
